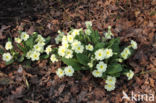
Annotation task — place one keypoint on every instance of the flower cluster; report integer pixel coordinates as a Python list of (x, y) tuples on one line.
[(110, 83), (85, 50), (32, 47), (68, 71), (38, 48), (7, 56), (126, 52)]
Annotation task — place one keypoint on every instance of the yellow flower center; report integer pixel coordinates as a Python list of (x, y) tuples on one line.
[(126, 51), (129, 74), (69, 70), (66, 45), (107, 52), (70, 38), (101, 66), (97, 72), (63, 50), (61, 72), (68, 53), (76, 33), (110, 86), (100, 54), (78, 48), (7, 57), (35, 55), (123, 55), (49, 49)]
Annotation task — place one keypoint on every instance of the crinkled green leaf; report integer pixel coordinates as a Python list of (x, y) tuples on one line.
[(73, 63), (104, 75), (21, 48), (95, 37), (114, 68), (44, 56), (99, 46), (116, 75), (82, 59), (114, 45), (48, 39), (29, 43)]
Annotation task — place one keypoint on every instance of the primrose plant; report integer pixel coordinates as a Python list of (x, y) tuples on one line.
[(80, 49), (101, 55)]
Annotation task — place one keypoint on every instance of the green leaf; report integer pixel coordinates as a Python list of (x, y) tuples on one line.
[(1, 51), (47, 39), (9, 62), (21, 48), (114, 45), (9, 39), (20, 31), (44, 56), (73, 63), (29, 43), (114, 68), (21, 58), (104, 75), (34, 36), (54, 50), (99, 46), (116, 75), (95, 37), (83, 59)]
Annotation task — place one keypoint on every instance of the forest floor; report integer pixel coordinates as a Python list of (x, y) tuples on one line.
[(130, 19)]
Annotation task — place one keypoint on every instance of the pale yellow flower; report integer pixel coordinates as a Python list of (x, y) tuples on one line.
[(69, 71), (48, 49), (111, 80), (130, 74), (134, 44), (18, 40), (89, 47), (100, 54), (24, 36), (108, 53), (109, 87), (60, 73), (7, 57), (101, 66), (96, 73), (8, 45), (61, 51), (53, 58), (35, 56)]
